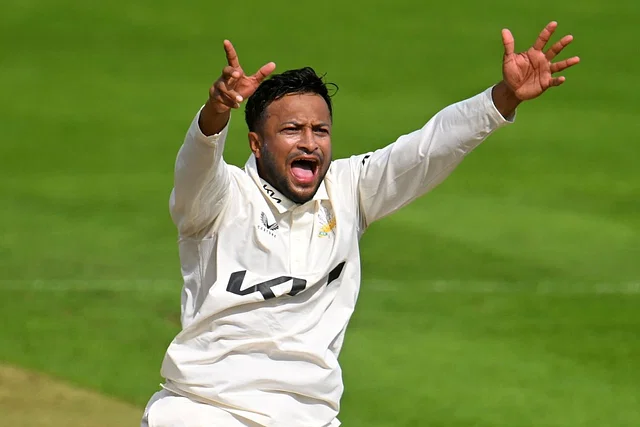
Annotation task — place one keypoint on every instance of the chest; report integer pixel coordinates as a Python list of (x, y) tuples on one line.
[(306, 239)]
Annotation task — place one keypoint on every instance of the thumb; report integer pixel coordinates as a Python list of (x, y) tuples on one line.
[(508, 42), (264, 72)]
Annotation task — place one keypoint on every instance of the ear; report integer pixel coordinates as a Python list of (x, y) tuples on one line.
[(255, 143)]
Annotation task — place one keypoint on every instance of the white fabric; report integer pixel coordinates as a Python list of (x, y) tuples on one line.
[(269, 354), (167, 409)]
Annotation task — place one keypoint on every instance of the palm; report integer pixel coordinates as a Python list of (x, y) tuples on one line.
[(530, 73)]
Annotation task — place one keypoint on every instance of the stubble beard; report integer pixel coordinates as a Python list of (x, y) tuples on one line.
[(268, 170)]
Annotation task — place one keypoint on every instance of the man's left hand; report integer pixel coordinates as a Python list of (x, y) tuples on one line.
[(528, 74)]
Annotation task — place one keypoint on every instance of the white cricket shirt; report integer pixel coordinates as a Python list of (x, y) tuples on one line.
[(269, 285)]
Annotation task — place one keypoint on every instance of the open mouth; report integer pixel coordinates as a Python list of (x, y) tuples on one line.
[(304, 169)]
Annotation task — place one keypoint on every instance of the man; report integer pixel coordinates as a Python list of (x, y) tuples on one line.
[(269, 253)]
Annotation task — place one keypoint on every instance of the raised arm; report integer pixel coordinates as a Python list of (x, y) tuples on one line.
[(201, 182), (393, 176)]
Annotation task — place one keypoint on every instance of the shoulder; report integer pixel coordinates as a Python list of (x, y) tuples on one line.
[(343, 176), (349, 166), (241, 176), (354, 162)]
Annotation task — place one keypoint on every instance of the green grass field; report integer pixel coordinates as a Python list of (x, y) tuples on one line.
[(508, 297)]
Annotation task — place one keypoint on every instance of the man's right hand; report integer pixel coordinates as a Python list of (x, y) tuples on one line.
[(229, 91)]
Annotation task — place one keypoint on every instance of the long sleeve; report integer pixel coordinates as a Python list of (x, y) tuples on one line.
[(397, 174), (201, 181)]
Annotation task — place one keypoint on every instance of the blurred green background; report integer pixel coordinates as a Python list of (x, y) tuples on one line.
[(509, 296)]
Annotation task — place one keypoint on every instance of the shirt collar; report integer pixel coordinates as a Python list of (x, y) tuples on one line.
[(277, 199)]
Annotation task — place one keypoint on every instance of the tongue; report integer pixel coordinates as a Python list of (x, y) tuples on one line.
[(302, 171)]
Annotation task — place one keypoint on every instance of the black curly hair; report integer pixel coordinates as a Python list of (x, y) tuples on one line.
[(299, 81)]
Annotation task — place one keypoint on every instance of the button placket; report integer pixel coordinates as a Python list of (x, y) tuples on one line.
[(301, 224)]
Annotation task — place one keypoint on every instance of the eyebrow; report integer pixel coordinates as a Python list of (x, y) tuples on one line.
[(298, 124)]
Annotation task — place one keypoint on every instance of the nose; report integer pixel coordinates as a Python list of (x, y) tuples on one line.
[(307, 142)]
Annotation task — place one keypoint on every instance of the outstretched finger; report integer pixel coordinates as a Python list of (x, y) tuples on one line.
[(558, 46), (508, 42), (264, 72), (557, 81), (563, 65), (232, 56), (545, 35)]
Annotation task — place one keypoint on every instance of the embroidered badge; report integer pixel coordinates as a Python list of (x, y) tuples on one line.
[(327, 222)]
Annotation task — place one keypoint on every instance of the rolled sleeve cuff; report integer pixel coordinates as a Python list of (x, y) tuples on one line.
[(497, 117), (211, 140)]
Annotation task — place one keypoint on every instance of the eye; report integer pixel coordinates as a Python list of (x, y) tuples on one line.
[(323, 131)]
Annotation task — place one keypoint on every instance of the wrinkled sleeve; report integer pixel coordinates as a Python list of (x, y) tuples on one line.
[(393, 176), (201, 181)]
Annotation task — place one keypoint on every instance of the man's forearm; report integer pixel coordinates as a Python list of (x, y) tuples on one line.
[(212, 122), (504, 99)]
